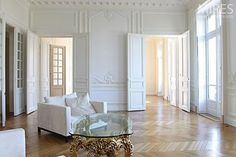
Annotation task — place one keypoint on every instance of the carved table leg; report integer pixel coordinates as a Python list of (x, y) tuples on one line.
[(75, 146), (128, 147), (97, 147)]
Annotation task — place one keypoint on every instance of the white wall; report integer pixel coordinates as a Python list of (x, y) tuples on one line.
[(151, 66), (107, 30), (108, 70), (193, 60), (15, 12), (229, 67)]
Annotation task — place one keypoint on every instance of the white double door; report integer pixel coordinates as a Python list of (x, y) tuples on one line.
[(136, 73), (19, 73)]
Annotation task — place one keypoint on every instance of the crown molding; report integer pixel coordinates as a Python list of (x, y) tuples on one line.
[(137, 4)]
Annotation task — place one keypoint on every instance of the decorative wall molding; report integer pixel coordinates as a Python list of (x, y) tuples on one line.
[(232, 78), (136, 22), (108, 15), (83, 21), (106, 79), (116, 3)]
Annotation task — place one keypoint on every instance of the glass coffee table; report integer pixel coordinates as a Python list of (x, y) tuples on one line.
[(102, 134)]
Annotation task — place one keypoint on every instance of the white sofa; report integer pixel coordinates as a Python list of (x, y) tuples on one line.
[(12, 143), (58, 119)]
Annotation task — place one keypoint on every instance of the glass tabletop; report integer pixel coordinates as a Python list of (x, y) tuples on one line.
[(102, 125)]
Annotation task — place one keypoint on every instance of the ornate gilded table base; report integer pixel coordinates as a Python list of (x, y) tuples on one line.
[(101, 146)]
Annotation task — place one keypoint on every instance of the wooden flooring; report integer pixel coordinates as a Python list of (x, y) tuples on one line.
[(161, 131)]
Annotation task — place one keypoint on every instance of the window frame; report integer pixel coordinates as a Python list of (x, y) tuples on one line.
[(208, 36)]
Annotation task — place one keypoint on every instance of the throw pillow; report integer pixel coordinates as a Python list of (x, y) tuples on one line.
[(73, 95), (79, 107), (59, 100)]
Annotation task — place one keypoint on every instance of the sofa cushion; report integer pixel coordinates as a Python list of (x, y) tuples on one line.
[(80, 106), (59, 100), (55, 100)]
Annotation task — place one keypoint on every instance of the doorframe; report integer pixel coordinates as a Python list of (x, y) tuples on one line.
[(15, 25), (3, 94), (164, 36), (72, 36)]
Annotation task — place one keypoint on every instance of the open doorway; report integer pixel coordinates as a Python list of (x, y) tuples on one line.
[(9, 71), (162, 68), (178, 82), (60, 66)]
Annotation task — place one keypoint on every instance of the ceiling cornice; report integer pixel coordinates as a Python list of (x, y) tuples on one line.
[(148, 4)]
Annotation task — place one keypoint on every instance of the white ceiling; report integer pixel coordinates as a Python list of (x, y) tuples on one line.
[(118, 3)]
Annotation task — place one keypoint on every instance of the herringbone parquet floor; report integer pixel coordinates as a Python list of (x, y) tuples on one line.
[(160, 131)]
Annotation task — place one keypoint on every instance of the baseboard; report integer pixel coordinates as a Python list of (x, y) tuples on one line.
[(229, 121), (193, 108)]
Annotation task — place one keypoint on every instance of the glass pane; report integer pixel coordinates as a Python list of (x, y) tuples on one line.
[(54, 63), (18, 83), (19, 36), (55, 57), (22, 74), (22, 38), (59, 57), (18, 74), (211, 23), (18, 55), (55, 69), (19, 46), (55, 50), (18, 64), (60, 75), (60, 50), (106, 125), (60, 69), (59, 82), (54, 82), (212, 61), (55, 76), (212, 93), (60, 63)]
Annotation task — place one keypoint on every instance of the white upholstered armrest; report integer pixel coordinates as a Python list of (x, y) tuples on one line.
[(12, 143), (55, 118), (100, 107)]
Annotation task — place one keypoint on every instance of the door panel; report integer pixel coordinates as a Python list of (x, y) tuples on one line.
[(57, 70), (44, 89), (19, 73), (2, 73), (184, 71), (173, 70), (136, 73), (81, 63), (32, 72)]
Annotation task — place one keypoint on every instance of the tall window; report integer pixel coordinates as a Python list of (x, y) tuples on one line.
[(213, 26), (209, 59)]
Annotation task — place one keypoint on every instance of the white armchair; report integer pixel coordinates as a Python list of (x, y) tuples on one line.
[(12, 143), (58, 119)]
